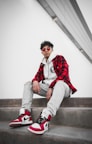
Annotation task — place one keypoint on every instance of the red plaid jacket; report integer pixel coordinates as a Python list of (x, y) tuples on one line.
[(61, 69)]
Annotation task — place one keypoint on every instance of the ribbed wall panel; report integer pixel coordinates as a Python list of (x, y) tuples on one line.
[(66, 15)]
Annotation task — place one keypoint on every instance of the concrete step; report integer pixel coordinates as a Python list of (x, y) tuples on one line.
[(56, 135), (67, 116), (72, 124), (67, 102)]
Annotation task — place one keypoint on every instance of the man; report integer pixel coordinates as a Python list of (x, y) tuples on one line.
[(52, 81)]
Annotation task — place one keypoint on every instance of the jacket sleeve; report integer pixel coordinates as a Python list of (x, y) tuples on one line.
[(61, 69), (39, 75)]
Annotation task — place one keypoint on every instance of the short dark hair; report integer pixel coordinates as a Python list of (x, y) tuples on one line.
[(46, 43)]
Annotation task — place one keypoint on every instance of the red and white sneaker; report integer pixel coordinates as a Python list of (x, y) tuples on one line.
[(23, 119), (40, 126)]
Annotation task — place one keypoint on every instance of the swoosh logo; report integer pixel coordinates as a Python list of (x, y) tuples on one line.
[(26, 118)]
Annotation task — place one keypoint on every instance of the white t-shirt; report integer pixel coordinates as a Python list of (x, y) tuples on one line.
[(49, 72)]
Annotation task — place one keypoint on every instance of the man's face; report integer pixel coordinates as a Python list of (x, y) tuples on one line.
[(46, 51)]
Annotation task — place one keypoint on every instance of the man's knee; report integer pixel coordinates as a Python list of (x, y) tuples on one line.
[(60, 82), (28, 84)]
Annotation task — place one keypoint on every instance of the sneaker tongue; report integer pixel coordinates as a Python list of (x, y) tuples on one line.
[(45, 113), (43, 116), (22, 111)]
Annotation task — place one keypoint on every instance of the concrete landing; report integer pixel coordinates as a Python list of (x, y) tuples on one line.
[(56, 135)]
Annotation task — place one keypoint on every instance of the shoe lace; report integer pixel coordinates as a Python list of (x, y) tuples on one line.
[(40, 119)]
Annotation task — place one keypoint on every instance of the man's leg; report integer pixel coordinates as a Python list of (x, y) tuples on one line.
[(24, 117), (27, 97), (60, 91)]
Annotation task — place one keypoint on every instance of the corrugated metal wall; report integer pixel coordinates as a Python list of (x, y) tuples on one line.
[(69, 18)]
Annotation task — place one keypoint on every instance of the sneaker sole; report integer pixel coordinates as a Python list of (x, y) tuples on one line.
[(37, 132), (19, 124)]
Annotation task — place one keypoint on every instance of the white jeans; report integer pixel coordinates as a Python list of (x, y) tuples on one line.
[(60, 90)]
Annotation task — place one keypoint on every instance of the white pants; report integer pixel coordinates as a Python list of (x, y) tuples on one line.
[(60, 90)]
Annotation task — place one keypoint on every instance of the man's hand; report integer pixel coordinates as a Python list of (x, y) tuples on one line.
[(36, 87), (49, 93)]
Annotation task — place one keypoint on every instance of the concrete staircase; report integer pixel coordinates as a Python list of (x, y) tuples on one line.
[(72, 124)]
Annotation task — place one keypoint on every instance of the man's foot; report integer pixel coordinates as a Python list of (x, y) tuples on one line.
[(41, 125), (23, 119)]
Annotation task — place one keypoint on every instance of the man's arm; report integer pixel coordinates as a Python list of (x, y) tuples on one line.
[(39, 75)]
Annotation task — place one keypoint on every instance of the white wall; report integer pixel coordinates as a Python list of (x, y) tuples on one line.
[(23, 26)]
